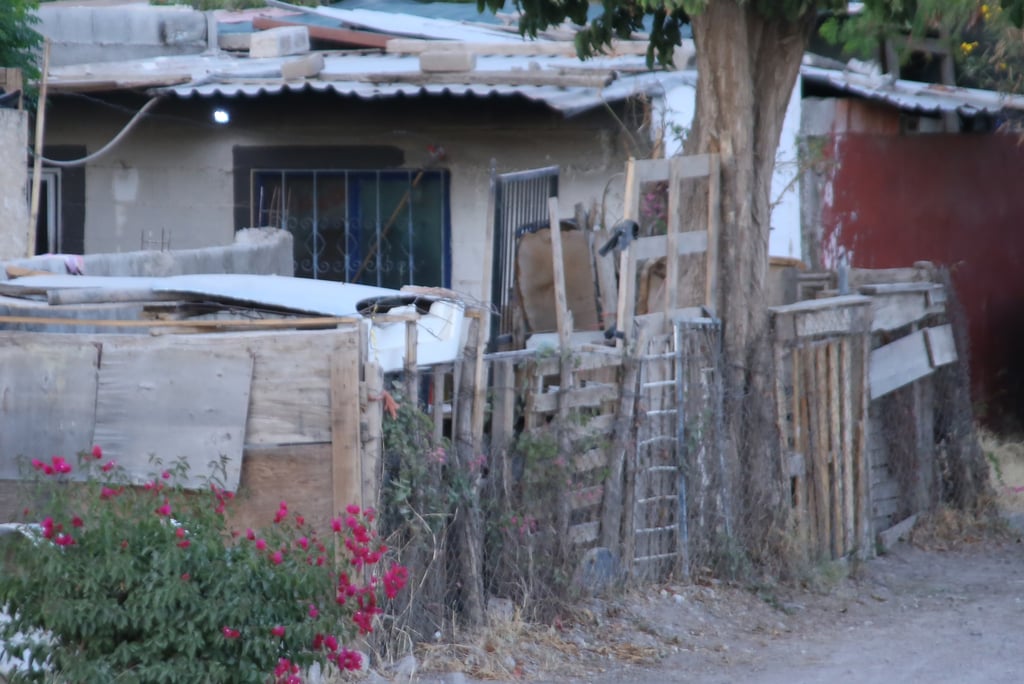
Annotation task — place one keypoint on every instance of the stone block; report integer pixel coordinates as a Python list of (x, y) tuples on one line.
[(303, 67), (279, 42), (234, 41), (442, 61)]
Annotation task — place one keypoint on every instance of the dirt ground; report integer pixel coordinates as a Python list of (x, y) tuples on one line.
[(946, 606)]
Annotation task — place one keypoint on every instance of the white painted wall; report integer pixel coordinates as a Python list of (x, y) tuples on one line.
[(14, 216), (677, 110), (174, 170)]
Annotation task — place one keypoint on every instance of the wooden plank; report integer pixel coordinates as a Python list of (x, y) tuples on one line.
[(189, 324), (835, 450), (591, 459), (651, 171), (522, 77), (885, 508), (590, 396), (607, 287), (296, 473), (346, 447), (627, 259), (899, 363), (371, 408), (861, 458), (941, 345), (586, 497), (530, 48), (893, 311), (898, 288), (801, 429), (503, 417), (713, 233), (672, 239), (814, 305), (342, 36), (850, 388), (563, 316), (412, 379), (868, 276), (173, 403), (584, 533), (598, 426), (581, 361), (47, 398), (689, 242), (819, 455)]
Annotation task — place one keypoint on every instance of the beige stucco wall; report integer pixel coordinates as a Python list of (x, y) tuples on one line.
[(13, 180), (174, 170)]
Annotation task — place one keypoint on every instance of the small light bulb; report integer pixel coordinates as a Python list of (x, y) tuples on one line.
[(221, 116)]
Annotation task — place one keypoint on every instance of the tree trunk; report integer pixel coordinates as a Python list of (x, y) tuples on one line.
[(747, 65)]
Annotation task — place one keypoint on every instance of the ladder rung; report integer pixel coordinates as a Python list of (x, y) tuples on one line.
[(658, 412), (651, 530), (660, 497), (658, 383)]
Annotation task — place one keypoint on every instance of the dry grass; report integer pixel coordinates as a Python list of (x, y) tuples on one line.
[(1006, 465)]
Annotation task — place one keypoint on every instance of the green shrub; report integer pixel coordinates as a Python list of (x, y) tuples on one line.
[(147, 584)]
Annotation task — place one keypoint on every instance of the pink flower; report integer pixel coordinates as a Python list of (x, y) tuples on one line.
[(313, 612), (60, 465), (352, 509), (303, 543), (230, 633), (261, 544), (47, 469), (395, 579), (277, 630), (331, 642), (179, 533), (37, 464), (63, 540), (107, 493), (164, 510), (76, 522), (349, 660), (283, 666), (336, 524), (300, 521), (277, 558), (185, 577), (107, 467), (97, 452), (249, 534), (166, 475), (184, 543)]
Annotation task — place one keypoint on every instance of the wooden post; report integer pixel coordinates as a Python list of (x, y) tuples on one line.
[(437, 404), (37, 162), (503, 422), (563, 316), (835, 450), (411, 376), (346, 462), (672, 239), (714, 231), (468, 523), (563, 319), (373, 435), (627, 260), (486, 291)]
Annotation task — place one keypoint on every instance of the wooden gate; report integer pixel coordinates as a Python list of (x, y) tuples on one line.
[(821, 352)]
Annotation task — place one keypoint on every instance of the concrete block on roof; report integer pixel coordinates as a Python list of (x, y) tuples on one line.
[(441, 61), (303, 67), (234, 41), (279, 42)]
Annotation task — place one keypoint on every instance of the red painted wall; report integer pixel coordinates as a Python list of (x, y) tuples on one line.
[(955, 200)]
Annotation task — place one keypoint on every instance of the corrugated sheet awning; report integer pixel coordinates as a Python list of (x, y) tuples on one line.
[(914, 96)]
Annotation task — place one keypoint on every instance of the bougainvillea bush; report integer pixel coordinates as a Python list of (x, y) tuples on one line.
[(147, 583)]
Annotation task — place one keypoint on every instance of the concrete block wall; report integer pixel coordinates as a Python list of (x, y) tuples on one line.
[(81, 35), (262, 251), (13, 183)]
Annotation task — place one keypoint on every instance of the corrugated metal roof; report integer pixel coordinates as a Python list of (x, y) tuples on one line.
[(230, 77), (914, 96), (413, 26)]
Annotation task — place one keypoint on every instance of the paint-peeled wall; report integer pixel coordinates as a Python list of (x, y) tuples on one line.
[(172, 177), (952, 199), (14, 216)]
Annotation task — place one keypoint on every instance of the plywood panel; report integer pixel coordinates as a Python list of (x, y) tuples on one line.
[(299, 474), (47, 398), (174, 402), (941, 345)]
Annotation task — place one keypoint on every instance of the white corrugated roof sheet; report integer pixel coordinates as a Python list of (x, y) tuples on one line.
[(914, 96)]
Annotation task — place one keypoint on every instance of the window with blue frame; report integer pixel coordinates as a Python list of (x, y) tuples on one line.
[(384, 228)]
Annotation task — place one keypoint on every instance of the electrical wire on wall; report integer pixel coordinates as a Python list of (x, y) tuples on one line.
[(110, 145)]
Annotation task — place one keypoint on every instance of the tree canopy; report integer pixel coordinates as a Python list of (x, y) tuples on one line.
[(19, 42)]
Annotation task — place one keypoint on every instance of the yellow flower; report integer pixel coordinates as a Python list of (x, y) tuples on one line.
[(968, 48), (985, 12)]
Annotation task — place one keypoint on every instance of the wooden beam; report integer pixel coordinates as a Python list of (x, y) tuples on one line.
[(713, 233), (563, 316), (899, 363), (627, 259), (341, 36), (524, 77), (561, 48), (209, 325), (346, 451), (37, 158), (655, 246)]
